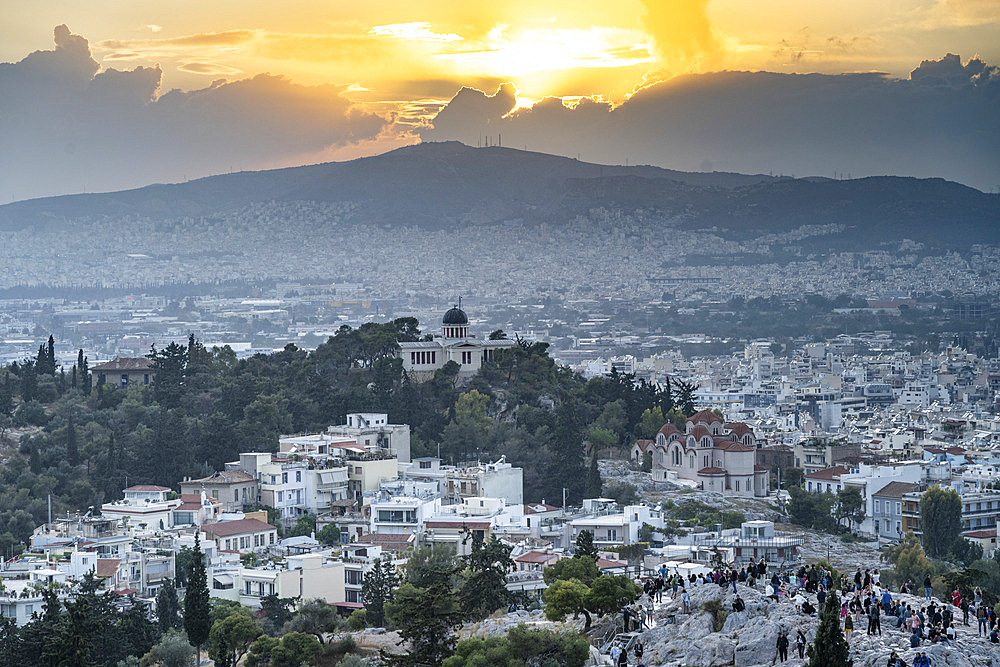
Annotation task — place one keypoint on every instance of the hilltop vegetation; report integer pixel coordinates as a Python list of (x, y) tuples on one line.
[(82, 442)]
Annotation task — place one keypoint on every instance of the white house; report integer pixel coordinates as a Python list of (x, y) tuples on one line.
[(144, 508)]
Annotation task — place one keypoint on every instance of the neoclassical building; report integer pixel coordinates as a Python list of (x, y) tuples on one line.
[(719, 456), (454, 343)]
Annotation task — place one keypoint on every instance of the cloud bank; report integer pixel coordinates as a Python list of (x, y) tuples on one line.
[(940, 122), (66, 127)]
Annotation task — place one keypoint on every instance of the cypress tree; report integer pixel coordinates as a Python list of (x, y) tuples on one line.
[(829, 648), (594, 482), (72, 451), (85, 379), (72, 377), (197, 621), (35, 461), (42, 360), (51, 356)]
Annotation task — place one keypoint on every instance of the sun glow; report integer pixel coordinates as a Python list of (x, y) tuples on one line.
[(507, 52)]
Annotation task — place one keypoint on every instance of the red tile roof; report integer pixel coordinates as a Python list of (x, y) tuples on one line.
[(223, 477), (739, 429), (106, 567), (828, 473), (699, 431), (706, 416), (227, 528), (667, 429), (981, 534), (605, 564), (148, 487), (895, 490), (644, 444), (760, 467), (711, 471), (124, 364), (536, 557)]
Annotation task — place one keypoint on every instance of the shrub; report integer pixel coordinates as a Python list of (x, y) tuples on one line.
[(357, 620)]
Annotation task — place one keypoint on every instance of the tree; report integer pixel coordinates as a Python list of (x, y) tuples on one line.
[(850, 505), (685, 396), (485, 587), (426, 618), (329, 534), (197, 623), (941, 521), (168, 375), (433, 566), (582, 568), (376, 590), (650, 422), (594, 481), (908, 560), (168, 608), (812, 510), (314, 617), (304, 527), (231, 637), (498, 334), (609, 593), (173, 650), (566, 596), (72, 450), (647, 461), (522, 646), (277, 611), (585, 545), (829, 648)]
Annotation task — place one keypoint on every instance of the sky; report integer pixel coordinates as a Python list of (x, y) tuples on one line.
[(105, 95)]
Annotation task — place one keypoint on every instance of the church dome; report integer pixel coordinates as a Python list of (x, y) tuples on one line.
[(455, 316)]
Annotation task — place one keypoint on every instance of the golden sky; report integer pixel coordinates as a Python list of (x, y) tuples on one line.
[(357, 78), (404, 56)]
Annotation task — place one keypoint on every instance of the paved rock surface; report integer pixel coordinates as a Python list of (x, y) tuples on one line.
[(749, 638)]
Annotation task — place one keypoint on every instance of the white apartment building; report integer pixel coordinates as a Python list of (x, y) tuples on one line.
[(373, 429), (145, 508), (300, 577)]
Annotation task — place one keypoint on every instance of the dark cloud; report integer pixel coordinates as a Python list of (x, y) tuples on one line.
[(65, 127), (756, 122)]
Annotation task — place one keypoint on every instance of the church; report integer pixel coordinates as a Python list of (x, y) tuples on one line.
[(721, 457), (422, 358)]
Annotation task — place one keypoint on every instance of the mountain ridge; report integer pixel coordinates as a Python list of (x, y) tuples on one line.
[(446, 184)]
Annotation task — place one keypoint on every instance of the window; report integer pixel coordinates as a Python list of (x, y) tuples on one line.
[(284, 478), (298, 475), (425, 464), (897, 508), (281, 495), (878, 506), (247, 588), (236, 495), (272, 538), (145, 378), (737, 485)]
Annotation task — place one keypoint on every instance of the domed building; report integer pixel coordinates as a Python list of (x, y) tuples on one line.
[(454, 343)]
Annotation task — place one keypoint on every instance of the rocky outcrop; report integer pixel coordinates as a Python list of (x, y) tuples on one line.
[(749, 638)]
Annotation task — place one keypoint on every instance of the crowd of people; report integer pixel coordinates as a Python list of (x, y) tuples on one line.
[(862, 598)]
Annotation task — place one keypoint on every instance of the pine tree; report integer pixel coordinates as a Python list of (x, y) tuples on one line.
[(197, 620), (829, 648), (585, 544), (376, 590)]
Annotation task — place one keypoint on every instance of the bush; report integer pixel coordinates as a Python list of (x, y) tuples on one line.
[(718, 612), (31, 413), (357, 620)]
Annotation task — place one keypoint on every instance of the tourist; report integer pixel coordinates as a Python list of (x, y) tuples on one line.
[(615, 653), (921, 660), (782, 646), (738, 604), (978, 595), (895, 661), (649, 613), (821, 597), (800, 643), (686, 601), (638, 650), (915, 639), (848, 627), (874, 623), (927, 587), (808, 609), (981, 617)]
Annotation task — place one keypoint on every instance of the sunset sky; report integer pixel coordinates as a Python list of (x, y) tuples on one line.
[(402, 61)]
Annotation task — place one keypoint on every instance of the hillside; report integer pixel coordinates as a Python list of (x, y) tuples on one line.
[(436, 185)]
